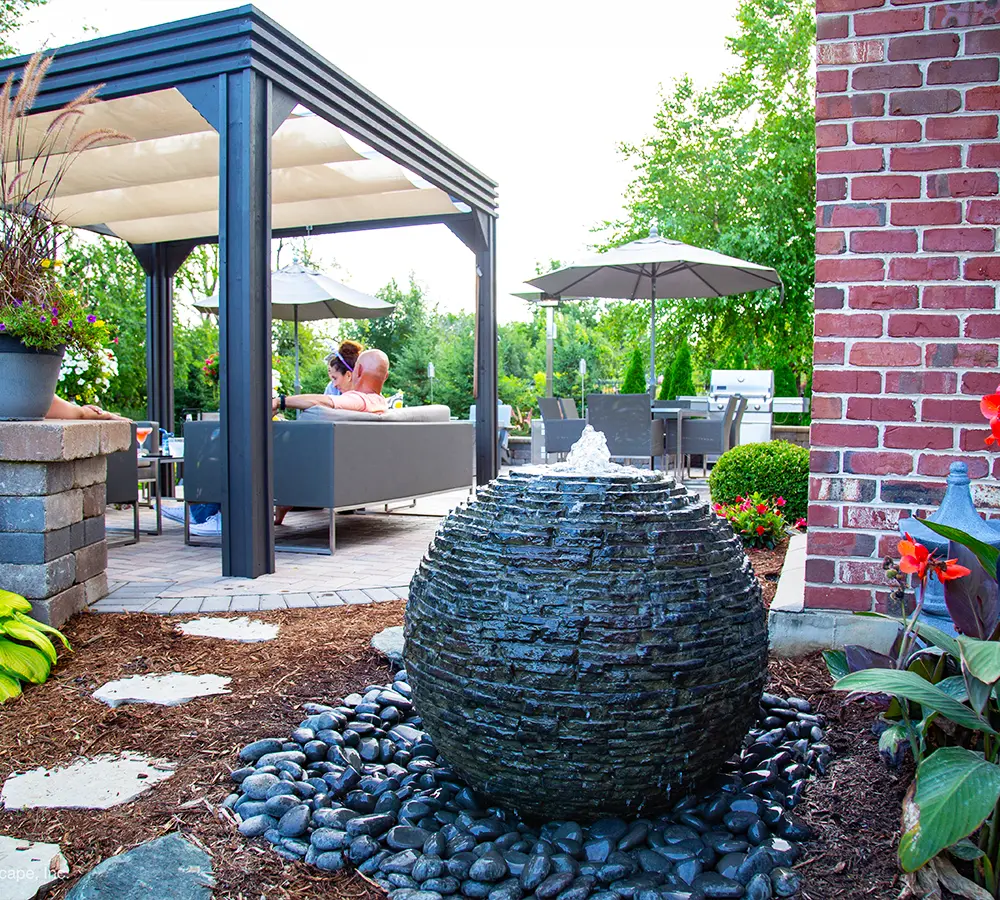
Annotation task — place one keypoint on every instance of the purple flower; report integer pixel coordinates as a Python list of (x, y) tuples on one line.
[(3, 327), (18, 303), (55, 310), (69, 322), (42, 319), (91, 319)]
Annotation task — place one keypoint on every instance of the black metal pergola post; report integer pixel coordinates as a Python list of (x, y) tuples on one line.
[(244, 74)]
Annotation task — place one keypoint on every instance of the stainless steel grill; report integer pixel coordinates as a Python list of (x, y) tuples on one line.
[(757, 386)]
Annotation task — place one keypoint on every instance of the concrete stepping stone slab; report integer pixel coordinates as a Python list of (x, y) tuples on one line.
[(168, 868), (389, 643), (98, 783), (28, 868), (171, 689), (241, 629)]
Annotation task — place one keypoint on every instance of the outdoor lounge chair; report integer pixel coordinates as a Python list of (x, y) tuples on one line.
[(344, 460), (628, 425)]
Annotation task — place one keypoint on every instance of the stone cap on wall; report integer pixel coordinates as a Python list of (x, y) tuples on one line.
[(53, 440)]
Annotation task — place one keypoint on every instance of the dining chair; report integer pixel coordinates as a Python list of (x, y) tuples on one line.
[(628, 425)]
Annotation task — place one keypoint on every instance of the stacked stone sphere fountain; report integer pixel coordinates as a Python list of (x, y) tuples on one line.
[(586, 639)]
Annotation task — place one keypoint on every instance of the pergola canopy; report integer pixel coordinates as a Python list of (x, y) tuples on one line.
[(239, 133), (163, 185)]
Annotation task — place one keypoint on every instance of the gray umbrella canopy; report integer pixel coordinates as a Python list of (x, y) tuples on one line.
[(300, 294), (655, 268)]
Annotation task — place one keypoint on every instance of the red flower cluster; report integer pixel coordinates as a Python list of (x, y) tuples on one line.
[(990, 408), (916, 559)]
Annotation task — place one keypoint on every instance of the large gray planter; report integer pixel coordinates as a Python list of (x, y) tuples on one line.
[(28, 378)]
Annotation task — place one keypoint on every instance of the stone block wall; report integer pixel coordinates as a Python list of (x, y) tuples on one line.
[(53, 549), (906, 324)]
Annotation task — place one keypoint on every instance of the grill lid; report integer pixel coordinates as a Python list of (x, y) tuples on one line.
[(750, 383)]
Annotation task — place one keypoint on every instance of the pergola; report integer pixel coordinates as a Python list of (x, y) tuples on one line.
[(240, 133)]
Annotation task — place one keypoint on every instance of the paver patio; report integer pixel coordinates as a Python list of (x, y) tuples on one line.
[(376, 555)]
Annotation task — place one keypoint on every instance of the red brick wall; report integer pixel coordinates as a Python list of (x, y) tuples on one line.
[(906, 322)]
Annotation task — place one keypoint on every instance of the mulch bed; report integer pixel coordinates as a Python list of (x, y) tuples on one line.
[(322, 655), (319, 655), (767, 567), (855, 809)]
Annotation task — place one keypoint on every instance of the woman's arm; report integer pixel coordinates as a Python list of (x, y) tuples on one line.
[(63, 409)]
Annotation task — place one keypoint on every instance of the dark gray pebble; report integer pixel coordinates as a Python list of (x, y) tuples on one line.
[(554, 884), (785, 882), (712, 884), (257, 825)]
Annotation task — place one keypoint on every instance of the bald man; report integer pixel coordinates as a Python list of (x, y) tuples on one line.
[(370, 372)]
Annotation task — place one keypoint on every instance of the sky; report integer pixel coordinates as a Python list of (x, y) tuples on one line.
[(538, 95)]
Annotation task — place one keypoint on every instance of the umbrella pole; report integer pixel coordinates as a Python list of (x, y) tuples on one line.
[(652, 337), (298, 383)]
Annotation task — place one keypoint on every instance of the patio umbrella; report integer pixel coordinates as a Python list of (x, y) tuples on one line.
[(301, 294), (656, 267)]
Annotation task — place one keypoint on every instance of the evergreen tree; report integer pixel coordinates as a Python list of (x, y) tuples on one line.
[(681, 380), (664, 392), (635, 381)]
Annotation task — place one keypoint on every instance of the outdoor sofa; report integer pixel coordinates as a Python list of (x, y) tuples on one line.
[(340, 460)]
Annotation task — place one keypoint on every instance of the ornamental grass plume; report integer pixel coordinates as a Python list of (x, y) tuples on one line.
[(37, 152)]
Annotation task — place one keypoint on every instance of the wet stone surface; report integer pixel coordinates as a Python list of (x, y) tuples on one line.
[(579, 645), (433, 837)]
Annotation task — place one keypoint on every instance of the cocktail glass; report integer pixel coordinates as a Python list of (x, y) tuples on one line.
[(141, 433)]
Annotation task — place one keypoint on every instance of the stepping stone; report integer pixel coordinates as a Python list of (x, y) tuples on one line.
[(390, 643), (171, 689), (27, 869), (242, 629), (98, 783), (169, 868)]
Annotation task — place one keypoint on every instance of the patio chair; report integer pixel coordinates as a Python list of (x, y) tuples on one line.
[(561, 431), (126, 471), (628, 425), (712, 433), (568, 407)]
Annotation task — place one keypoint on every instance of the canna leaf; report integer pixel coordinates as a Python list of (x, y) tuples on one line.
[(26, 663), (972, 601), (912, 687), (21, 632), (836, 663), (987, 555), (956, 790), (982, 658)]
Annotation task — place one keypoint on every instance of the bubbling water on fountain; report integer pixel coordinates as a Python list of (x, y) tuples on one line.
[(590, 457)]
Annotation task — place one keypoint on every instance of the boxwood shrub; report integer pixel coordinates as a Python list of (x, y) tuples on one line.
[(774, 469)]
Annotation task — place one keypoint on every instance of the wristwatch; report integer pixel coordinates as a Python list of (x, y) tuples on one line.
[(281, 402)]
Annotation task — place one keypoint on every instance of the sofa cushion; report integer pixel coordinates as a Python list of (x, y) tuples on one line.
[(435, 413)]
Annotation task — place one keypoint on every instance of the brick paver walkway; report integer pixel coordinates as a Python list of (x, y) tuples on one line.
[(376, 555)]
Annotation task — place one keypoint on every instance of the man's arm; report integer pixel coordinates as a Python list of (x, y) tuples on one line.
[(305, 401)]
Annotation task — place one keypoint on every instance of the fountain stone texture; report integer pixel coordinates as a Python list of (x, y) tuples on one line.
[(585, 644)]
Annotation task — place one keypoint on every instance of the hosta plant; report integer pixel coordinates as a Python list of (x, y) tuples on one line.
[(26, 652), (943, 703)]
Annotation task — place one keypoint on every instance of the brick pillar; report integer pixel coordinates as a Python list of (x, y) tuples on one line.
[(906, 328), (52, 545)]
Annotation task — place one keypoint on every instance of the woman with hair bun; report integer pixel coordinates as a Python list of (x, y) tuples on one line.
[(340, 366)]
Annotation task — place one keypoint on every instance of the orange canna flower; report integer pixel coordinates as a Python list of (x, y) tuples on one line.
[(913, 557), (994, 437), (990, 406), (949, 570)]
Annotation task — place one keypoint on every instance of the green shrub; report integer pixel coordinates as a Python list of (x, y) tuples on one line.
[(635, 380), (681, 379), (775, 469), (26, 654)]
